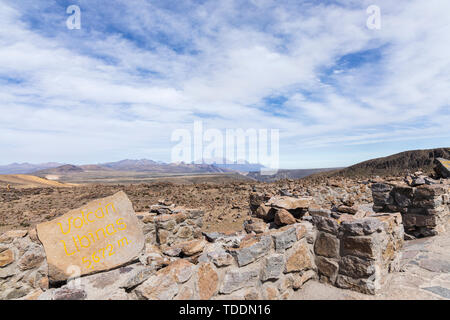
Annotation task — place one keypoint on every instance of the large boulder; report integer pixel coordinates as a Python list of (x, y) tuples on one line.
[(99, 236)]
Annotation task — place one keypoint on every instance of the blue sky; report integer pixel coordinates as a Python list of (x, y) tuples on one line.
[(137, 70)]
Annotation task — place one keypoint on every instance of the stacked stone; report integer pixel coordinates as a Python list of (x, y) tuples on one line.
[(425, 208), (166, 226), (23, 267), (265, 266), (358, 254), (279, 210), (178, 263)]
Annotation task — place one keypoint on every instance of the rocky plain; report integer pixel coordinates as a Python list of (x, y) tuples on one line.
[(324, 237)]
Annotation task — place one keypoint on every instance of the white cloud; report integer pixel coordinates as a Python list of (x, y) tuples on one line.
[(74, 105)]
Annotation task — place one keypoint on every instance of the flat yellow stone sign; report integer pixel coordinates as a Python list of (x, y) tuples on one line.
[(99, 236)]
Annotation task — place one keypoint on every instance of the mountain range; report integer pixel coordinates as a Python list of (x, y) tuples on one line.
[(142, 165), (397, 164)]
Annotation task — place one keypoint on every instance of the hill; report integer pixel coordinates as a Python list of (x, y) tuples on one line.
[(65, 169), (28, 181), (393, 165), (286, 174)]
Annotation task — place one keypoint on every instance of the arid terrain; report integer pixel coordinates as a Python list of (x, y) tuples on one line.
[(226, 204), (223, 196), (336, 235)]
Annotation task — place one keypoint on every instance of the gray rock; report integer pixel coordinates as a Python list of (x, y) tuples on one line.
[(8, 271), (362, 227), (356, 267), (284, 239), (66, 293), (441, 291), (285, 192), (381, 187), (435, 265), (157, 287), (418, 181), (361, 285), (16, 293), (403, 195), (315, 211), (212, 236), (249, 254), (220, 258), (137, 277), (326, 224), (237, 279), (272, 268), (430, 181), (174, 251)]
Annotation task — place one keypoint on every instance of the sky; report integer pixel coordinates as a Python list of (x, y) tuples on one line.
[(338, 91)]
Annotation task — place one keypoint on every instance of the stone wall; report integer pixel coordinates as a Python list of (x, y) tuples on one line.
[(167, 225), (424, 208), (358, 254), (23, 267), (281, 249), (266, 266), (353, 250)]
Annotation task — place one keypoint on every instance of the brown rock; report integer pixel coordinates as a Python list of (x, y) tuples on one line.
[(301, 231), (346, 217), (289, 203), (251, 294), (283, 217), (300, 280), (346, 209), (32, 233), (207, 281), (360, 246), (256, 199), (193, 247), (99, 236), (318, 211), (180, 270), (31, 259), (69, 294), (9, 236), (34, 295), (299, 258), (6, 258), (185, 293), (43, 283), (327, 267), (256, 226), (158, 287), (327, 245), (266, 213), (270, 292)]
